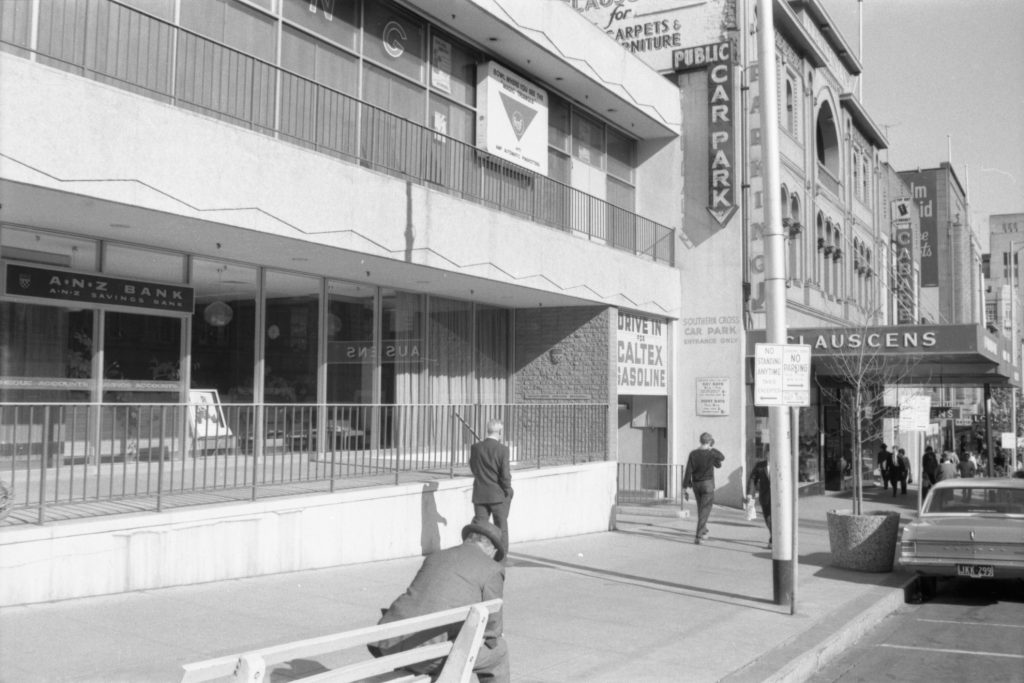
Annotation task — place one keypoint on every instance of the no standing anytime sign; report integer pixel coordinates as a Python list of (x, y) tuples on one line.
[(782, 375)]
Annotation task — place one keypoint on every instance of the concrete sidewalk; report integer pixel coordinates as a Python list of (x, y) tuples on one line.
[(642, 603)]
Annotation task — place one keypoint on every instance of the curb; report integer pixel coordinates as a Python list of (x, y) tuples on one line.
[(798, 660)]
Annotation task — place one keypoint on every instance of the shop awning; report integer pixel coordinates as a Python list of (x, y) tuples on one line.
[(932, 355)]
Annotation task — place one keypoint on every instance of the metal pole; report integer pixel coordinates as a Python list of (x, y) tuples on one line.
[(1013, 354), (783, 491)]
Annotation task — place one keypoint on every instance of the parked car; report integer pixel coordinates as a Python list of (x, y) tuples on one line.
[(970, 528)]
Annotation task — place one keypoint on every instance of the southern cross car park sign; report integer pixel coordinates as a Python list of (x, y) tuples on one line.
[(782, 375)]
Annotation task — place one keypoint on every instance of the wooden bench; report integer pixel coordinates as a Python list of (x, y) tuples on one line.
[(459, 655)]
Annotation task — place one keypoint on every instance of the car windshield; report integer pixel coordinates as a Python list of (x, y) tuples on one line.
[(975, 499)]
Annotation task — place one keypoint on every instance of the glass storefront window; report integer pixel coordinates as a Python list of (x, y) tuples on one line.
[(290, 336), (40, 344), (451, 351), (351, 361), (401, 354), (493, 364), (224, 329), (141, 358)]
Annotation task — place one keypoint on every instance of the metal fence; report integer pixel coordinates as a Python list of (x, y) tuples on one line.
[(114, 44), (87, 459), (649, 484)]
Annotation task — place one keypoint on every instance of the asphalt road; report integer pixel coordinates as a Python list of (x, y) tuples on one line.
[(970, 631)]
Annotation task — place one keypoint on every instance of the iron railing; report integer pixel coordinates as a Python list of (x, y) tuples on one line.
[(87, 459), (649, 484), (106, 41)]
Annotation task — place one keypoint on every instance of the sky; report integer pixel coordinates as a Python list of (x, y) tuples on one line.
[(944, 79)]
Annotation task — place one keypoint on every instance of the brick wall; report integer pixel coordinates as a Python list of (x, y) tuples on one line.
[(565, 355), (562, 355)]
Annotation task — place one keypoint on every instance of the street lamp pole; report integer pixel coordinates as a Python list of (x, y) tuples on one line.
[(784, 559)]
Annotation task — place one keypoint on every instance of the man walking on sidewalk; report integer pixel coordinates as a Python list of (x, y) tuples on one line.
[(492, 479), (700, 476)]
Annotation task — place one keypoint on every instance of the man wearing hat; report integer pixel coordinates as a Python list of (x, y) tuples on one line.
[(462, 575)]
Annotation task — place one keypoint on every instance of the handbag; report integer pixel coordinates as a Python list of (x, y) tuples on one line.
[(749, 510)]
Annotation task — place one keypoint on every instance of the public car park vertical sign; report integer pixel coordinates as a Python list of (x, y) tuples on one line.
[(716, 58), (782, 375)]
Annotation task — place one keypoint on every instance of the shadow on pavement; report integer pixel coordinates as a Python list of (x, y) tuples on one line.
[(702, 592)]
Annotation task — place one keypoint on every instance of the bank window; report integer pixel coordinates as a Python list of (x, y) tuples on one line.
[(234, 24), (318, 61), (559, 130), (335, 20), (587, 140), (621, 156), (394, 39), (452, 120), (15, 25), (453, 70), (393, 94)]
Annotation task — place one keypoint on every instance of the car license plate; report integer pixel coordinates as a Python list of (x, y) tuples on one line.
[(976, 571)]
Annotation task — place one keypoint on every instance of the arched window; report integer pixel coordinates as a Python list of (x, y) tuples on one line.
[(865, 178), (826, 139), (819, 262), (833, 263), (856, 276), (796, 238), (856, 174), (790, 108)]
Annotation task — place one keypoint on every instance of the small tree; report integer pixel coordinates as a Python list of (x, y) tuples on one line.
[(861, 372)]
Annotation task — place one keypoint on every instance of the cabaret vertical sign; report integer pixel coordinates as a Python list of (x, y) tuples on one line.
[(716, 58), (903, 236)]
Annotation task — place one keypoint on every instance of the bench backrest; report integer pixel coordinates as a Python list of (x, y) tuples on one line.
[(460, 654)]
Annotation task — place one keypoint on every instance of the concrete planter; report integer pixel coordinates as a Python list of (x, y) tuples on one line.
[(864, 543)]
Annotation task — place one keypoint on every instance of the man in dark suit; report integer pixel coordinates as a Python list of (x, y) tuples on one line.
[(886, 469), (463, 575), (700, 476), (492, 479)]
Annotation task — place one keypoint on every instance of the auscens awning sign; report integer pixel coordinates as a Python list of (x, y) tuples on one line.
[(41, 284)]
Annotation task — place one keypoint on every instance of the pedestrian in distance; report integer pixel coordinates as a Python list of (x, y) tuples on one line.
[(462, 575), (900, 471), (884, 462), (700, 476), (967, 470), (759, 484), (492, 479), (947, 466), (929, 471)]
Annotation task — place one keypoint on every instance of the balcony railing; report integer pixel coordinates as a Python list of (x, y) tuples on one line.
[(117, 45), (86, 459)]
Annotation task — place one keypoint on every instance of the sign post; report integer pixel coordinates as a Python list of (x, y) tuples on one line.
[(782, 375)]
